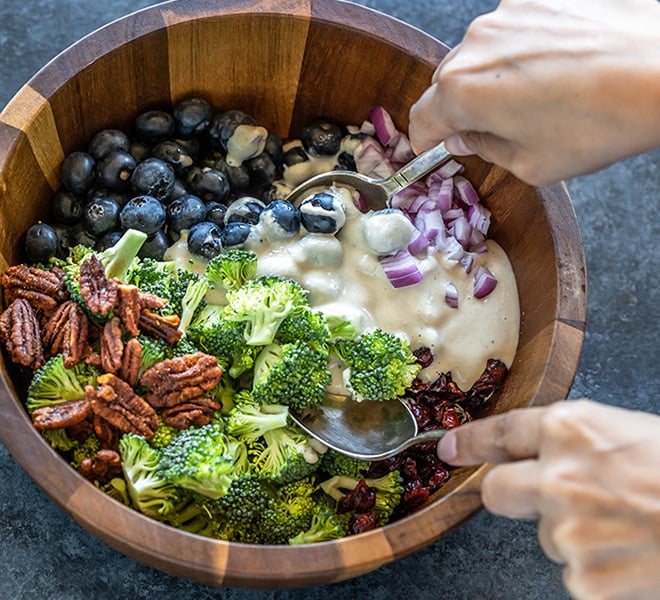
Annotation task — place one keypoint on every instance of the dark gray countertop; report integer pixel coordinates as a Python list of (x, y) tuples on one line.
[(45, 554)]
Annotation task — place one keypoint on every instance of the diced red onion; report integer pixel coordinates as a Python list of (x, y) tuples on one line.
[(418, 242), (453, 214), (466, 191), (451, 295), (461, 230), (450, 168), (430, 223), (404, 199), (367, 128), (353, 129), (386, 131), (402, 152), (467, 262), (479, 217), (443, 191), (484, 282), (401, 269), (371, 160), (453, 248), (420, 202), (361, 203)]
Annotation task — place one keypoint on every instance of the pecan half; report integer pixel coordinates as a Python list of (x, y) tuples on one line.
[(19, 332), (131, 362), (98, 292), (112, 346), (102, 468), (151, 301), (181, 379), (116, 401), (196, 413), (129, 307), (63, 414), (66, 332), (159, 326), (106, 433), (43, 289)]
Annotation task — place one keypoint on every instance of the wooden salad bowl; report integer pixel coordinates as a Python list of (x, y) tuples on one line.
[(284, 62)]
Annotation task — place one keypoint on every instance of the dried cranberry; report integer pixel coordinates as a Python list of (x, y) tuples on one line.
[(362, 522), (415, 493), (409, 469), (438, 478), (361, 500), (424, 356), (422, 414)]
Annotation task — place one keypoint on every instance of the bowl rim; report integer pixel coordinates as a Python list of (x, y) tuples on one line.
[(241, 565)]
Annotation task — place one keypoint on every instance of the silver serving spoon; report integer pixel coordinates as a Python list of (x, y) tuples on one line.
[(377, 192), (368, 430)]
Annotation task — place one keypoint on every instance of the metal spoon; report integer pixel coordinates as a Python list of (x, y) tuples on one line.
[(377, 192), (368, 430)]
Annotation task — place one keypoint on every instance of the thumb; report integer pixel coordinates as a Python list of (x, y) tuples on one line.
[(491, 148)]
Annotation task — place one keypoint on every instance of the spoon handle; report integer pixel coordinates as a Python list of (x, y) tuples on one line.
[(416, 169), (427, 436)]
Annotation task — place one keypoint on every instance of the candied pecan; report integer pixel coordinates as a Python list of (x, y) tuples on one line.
[(81, 431), (196, 413), (131, 362), (150, 301), (98, 292), (128, 307), (63, 414), (181, 379), (102, 468), (112, 346), (116, 401), (93, 359), (43, 289), (106, 433), (66, 332), (19, 332), (159, 326)]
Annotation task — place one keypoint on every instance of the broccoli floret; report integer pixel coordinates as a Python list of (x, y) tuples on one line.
[(185, 345), (54, 383), (86, 449), (192, 515), (204, 460), (305, 325), (116, 488), (381, 365), (150, 493), (193, 301), (389, 490), (336, 463), (326, 525), (118, 261), (292, 374), (154, 350), (163, 435), (232, 269), (154, 276), (249, 421), (340, 328), (286, 456), (60, 440), (262, 304)]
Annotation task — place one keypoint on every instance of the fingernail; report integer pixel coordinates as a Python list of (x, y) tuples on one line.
[(456, 145), (447, 451)]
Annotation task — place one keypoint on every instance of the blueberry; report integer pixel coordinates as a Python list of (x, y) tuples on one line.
[(223, 125), (173, 154), (295, 156), (77, 172), (179, 189), (208, 184), (106, 141), (215, 212), (108, 240), (66, 207), (114, 171), (155, 246), (154, 126), (272, 193), (153, 177), (184, 212), (346, 162), (205, 240), (322, 213), (321, 138), (63, 233), (140, 150), (41, 243), (245, 210), (101, 215), (236, 233), (262, 170), (274, 148), (144, 213), (280, 220), (119, 197), (80, 236), (192, 116), (239, 177)]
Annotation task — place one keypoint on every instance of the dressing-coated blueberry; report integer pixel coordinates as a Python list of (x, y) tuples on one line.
[(192, 116), (280, 220), (346, 162), (173, 154), (77, 172), (114, 171), (295, 156), (322, 213), (274, 148), (321, 138), (101, 215), (184, 212), (236, 234), (153, 177), (154, 126), (144, 213), (106, 141), (41, 243), (262, 170), (205, 240), (245, 210), (66, 207), (224, 124)]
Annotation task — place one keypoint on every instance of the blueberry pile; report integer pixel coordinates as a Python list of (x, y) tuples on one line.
[(213, 174)]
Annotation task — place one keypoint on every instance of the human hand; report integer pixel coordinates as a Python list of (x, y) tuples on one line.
[(590, 474), (548, 89)]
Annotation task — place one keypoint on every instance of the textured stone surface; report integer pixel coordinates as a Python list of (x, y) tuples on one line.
[(45, 554)]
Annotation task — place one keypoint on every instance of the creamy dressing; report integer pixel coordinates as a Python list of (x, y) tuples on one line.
[(246, 142), (345, 279)]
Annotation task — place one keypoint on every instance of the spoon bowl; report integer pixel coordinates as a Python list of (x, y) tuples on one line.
[(367, 429), (376, 193)]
